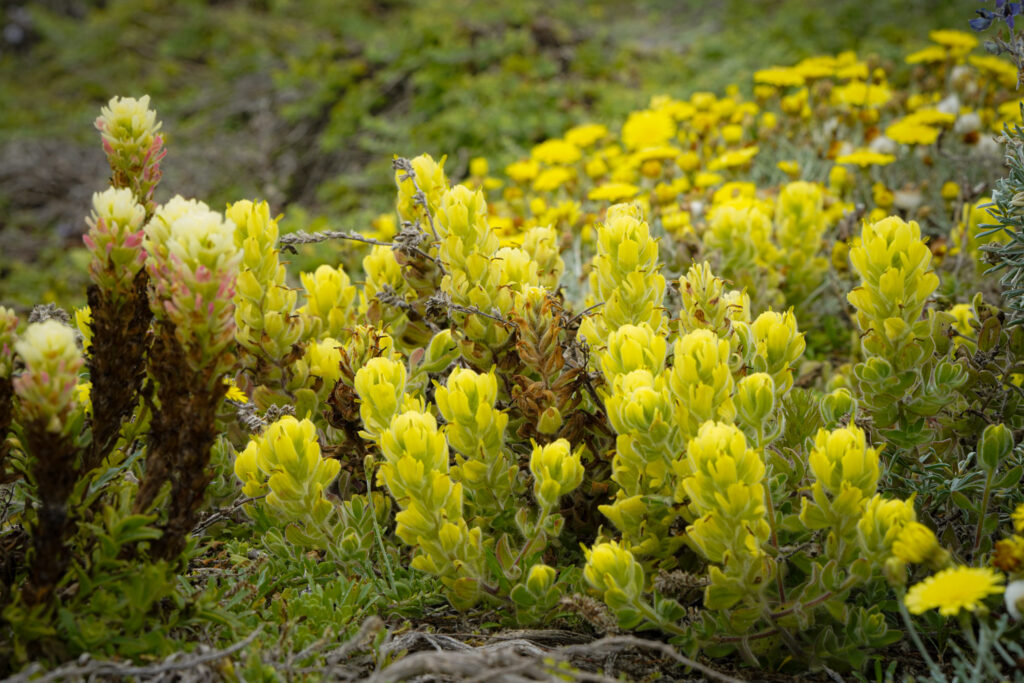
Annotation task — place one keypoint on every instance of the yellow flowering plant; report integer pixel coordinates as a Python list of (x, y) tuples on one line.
[(625, 365)]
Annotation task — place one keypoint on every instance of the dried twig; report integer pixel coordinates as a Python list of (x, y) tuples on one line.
[(84, 668), (222, 513), (303, 237), (513, 661)]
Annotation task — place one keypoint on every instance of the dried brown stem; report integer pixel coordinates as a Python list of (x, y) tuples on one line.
[(116, 362), (181, 434)]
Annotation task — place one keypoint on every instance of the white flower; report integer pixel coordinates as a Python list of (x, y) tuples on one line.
[(45, 344), (118, 205), (1014, 597)]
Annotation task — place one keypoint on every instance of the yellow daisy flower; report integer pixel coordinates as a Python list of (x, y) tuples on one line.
[(928, 55), (865, 158), (585, 135), (556, 152), (1018, 519), (234, 393), (911, 133), (996, 66), (522, 171), (550, 179), (779, 76), (954, 589), (734, 159), (958, 42), (648, 129), (613, 192)]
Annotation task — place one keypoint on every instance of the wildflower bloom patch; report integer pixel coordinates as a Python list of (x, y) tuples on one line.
[(732, 371)]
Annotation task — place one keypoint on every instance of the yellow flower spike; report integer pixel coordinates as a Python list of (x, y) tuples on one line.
[(380, 385), (842, 457), (329, 297), (700, 377), (624, 275), (462, 225), (706, 304), (248, 471), (626, 242), (726, 493), (640, 404), (431, 180), (518, 271), (324, 360), (800, 219), (467, 403), (415, 435), (541, 244), (779, 345), (540, 578), (896, 282), (882, 521), (611, 567), (557, 471), (917, 544), (755, 401), (286, 462), (633, 347)]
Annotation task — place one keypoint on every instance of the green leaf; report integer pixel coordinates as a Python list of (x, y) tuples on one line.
[(1011, 478), (964, 503)]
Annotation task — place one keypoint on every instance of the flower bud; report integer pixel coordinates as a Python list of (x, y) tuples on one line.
[(550, 421), (995, 445), (380, 385), (842, 458), (557, 471), (430, 178), (324, 360), (916, 544), (115, 240), (286, 461), (541, 243), (46, 387), (779, 345), (881, 523), (755, 399), (329, 297), (836, 405), (540, 578), (8, 330), (611, 568), (633, 347), (441, 352)]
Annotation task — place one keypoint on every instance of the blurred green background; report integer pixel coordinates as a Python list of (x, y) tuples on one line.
[(303, 103)]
